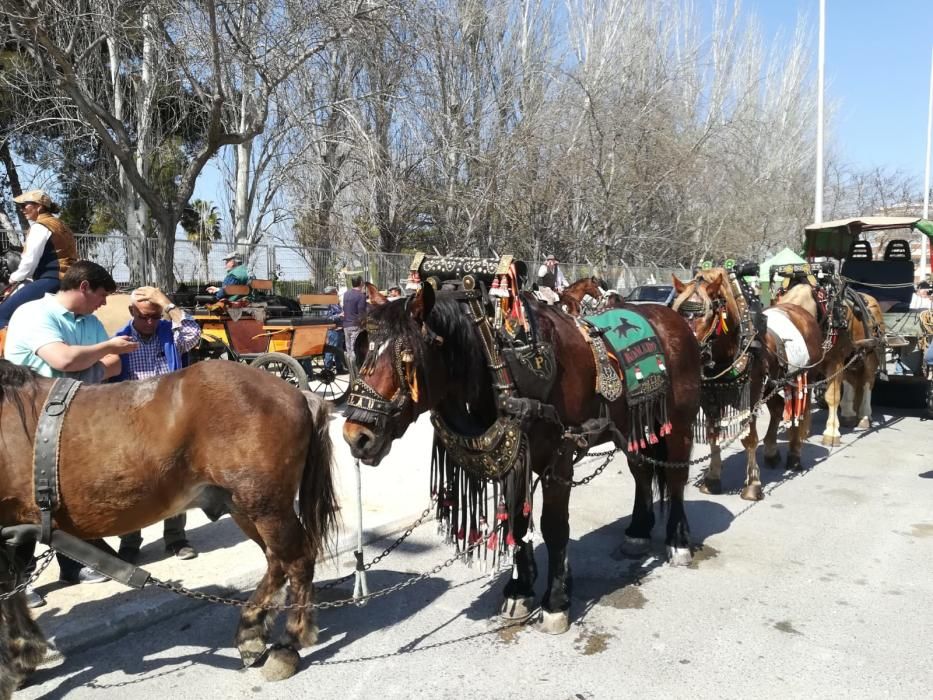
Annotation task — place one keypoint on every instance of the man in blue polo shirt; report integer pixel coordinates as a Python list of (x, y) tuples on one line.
[(59, 336)]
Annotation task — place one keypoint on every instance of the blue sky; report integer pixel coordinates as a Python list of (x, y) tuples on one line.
[(877, 73)]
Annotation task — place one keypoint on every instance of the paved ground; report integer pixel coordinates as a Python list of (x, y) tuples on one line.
[(819, 590)]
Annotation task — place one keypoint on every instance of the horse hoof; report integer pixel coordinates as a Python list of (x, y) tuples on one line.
[(281, 664), (251, 650), (794, 463), (635, 547), (772, 460), (847, 421), (711, 486), (27, 654), (554, 622), (752, 492), (832, 440), (864, 424), (679, 556), (517, 608)]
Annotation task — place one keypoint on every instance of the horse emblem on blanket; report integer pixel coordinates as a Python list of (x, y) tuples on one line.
[(629, 359)]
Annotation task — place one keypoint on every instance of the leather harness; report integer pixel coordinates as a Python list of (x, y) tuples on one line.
[(46, 451)]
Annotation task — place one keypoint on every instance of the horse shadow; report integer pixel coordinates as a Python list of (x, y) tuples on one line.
[(211, 631)]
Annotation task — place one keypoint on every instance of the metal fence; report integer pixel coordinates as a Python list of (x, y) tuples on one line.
[(296, 270)]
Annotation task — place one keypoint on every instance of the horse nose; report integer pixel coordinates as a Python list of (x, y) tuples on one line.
[(358, 437)]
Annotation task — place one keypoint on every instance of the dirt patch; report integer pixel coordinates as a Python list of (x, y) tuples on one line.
[(704, 553), (921, 530), (510, 633), (590, 643), (846, 494), (786, 627), (628, 598)]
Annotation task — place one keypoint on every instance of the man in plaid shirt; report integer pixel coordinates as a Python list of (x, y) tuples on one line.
[(163, 345)]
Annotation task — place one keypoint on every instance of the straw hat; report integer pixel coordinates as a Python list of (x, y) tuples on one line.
[(36, 197)]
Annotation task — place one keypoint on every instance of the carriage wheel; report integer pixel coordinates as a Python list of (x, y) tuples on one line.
[(284, 367), (324, 380)]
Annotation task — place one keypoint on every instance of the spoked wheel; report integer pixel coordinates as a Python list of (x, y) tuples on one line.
[(323, 377), (283, 366)]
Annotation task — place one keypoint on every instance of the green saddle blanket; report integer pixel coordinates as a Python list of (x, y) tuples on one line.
[(635, 345)]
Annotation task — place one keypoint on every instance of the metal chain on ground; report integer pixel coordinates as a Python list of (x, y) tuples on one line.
[(386, 552), (325, 605), (42, 561)]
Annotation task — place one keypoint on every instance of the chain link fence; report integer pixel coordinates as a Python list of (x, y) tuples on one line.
[(296, 270)]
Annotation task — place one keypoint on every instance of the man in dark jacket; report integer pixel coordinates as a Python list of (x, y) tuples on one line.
[(354, 313)]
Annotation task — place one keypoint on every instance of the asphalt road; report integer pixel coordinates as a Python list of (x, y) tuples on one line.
[(820, 590)]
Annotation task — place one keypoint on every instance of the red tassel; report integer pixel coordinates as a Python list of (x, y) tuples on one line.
[(510, 540), (653, 439), (474, 536), (526, 509), (492, 541), (643, 443), (461, 534)]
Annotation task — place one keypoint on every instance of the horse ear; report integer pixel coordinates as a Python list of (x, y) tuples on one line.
[(420, 305), (678, 285)]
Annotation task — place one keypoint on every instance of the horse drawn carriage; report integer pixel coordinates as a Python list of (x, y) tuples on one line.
[(890, 280), (275, 334)]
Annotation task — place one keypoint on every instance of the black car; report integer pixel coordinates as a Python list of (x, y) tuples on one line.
[(651, 293)]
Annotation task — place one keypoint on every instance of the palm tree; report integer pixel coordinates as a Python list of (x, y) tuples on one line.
[(201, 223)]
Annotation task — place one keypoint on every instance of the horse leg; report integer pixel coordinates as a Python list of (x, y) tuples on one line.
[(775, 413), (798, 434), (255, 622), (518, 601), (637, 541), (863, 399), (9, 679), (831, 436), (752, 490), (555, 528), (288, 546), (848, 417), (676, 448), (712, 481)]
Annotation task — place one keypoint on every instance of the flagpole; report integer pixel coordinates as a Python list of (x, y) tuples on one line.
[(924, 241), (818, 195)]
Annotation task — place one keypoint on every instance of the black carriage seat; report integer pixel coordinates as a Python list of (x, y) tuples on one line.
[(889, 280)]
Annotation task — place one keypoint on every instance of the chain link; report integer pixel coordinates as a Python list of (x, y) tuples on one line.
[(42, 561)]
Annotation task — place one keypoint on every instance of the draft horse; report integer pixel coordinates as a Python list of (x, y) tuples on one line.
[(572, 298), (853, 323), (135, 453), (744, 358), (427, 355)]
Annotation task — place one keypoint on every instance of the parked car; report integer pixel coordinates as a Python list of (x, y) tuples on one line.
[(651, 293)]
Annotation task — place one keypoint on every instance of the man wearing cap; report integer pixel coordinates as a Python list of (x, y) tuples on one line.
[(236, 274), (550, 280), (48, 253)]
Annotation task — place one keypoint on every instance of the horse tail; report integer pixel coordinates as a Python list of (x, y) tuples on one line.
[(317, 499)]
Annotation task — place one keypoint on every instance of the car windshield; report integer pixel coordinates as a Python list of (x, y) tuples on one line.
[(653, 293)]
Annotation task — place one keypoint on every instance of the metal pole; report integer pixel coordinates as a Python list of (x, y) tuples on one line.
[(924, 241), (360, 589), (818, 198)]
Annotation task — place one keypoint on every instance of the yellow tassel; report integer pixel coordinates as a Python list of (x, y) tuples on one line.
[(413, 384), (722, 322)]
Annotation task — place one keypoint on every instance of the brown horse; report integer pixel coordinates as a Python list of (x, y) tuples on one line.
[(220, 436), (571, 299), (427, 355), (743, 360), (850, 389)]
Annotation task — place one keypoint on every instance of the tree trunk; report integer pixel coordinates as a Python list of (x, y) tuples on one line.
[(13, 178)]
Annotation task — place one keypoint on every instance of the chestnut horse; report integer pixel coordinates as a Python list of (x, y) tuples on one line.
[(218, 435), (427, 355), (571, 299), (851, 389), (743, 361)]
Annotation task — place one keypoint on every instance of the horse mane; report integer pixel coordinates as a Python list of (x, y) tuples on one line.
[(725, 289), (13, 378)]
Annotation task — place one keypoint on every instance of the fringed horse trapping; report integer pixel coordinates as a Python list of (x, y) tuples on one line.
[(512, 388), (134, 453), (726, 320), (852, 324)]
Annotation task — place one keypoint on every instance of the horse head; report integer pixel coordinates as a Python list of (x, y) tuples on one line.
[(573, 297), (399, 377), (708, 306), (9, 262)]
